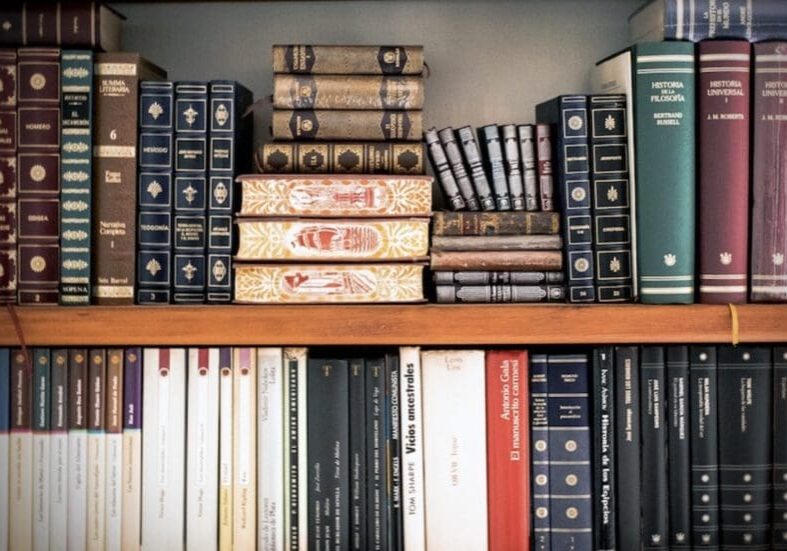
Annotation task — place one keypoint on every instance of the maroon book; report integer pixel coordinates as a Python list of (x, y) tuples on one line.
[(724, 100), (7, 176), (38, 164), (769, 174)]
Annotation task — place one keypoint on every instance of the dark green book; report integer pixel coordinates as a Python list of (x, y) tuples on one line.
[(664, 113)]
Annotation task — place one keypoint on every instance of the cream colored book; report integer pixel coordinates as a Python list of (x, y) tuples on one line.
[(20, 506), (96, 451), (58, 453), (270, 449), (132, 451), (412, 448), (244, 472), (77, 448), (114, 452), (226, 420), (296, 464)]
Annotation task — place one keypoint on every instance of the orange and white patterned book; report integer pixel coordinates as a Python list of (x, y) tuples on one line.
[(329, 283), (346, 240), (335, 195)]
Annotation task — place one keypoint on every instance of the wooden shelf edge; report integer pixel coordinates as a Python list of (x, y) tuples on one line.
[(424, 324)]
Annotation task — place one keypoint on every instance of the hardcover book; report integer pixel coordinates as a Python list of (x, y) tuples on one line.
[(335, 196), (348, 60), (526, 136), (472, 156), (42, 389), (131, 505), (20, 477), (412, 429), (78, 381), (500, 293), (540, 452), (270, 466), (495, 223), (516, 185), (496, 261), (244, 449), (454, 155), (96, 449), (347, 92), (627, 446), (341, 158), (546, 180), (490, 136), (323, 124), (442, 168), (496, 278), (113, 418), (483, 243), (8, 171)]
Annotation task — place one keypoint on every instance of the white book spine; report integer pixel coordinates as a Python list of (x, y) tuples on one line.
[(21, 483), (202, 457), (245, 450), (270, 419), (58, 484), (77, 489), (96, 490), (455, 457), (114, 487), (41, 491), (411, 417), (5, 473), (132, 491), (226, 417)]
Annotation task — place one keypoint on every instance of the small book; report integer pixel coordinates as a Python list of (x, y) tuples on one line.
[(341, 158), (472, 155), (490, 137), (469, 278), (495, 223), (244, 449), (96, 450), (489, 243), (348, 60), (516, 185), (78, 381), (132, 450), (454, 155), (546, 183), (526, 136), (442, 169)]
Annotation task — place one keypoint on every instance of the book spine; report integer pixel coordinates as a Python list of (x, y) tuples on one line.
[(202, 449), (9, 173), (357, 415), (495, 261), (498, 243), (745, 442), (665, 127), (627, 446), (226, 408), (20, 506), (516, 186), (347, 92), (546, 183), (723, 119), (270, 466), (455, 429), (678, 447), (779, 528), (244, 474), (539, 453), (5, 450), (42, 381), (131, 505), (442, 168), (496, 278), (655, 483), (393, 449), (114, 449), (348, 60), (508, 457), (342, 158), (751, 21), (495, 223), (769, 186), (704, 445), (472, 155), (77, 448), (500, 293), (377, 520), (527, 152), (356, 125), (154, 237), (96, 450), (189, 193), (38, 167), (496, 166), (76, 175), (610, 186), (296, 459), (230, 155), (413, 498), (452, 151), (604, 466), (55, 23)]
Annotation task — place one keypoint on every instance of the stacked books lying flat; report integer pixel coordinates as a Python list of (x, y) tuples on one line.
[(340, 238)]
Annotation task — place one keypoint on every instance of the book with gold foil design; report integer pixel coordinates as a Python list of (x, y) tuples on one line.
[(331, 283), (341, 157), (348, 240), (348, 60), (357, 125), (347, 92), (321, 195)]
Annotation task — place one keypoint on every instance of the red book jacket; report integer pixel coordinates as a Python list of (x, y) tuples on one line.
[(508, 457), (724, 99), (769, 174)]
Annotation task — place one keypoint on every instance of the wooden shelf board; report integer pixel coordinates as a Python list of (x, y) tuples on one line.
[(391, 325)]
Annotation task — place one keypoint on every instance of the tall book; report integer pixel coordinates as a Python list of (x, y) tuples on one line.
[(723, 120), (20, 477), (9, 173), (113, 416), (132, 450), (115, 141), (627, 446), (413, 493), (77, 447), (769, 179), (38, 204), (357, 454), (5, 450), (611, 199), (229, 153), (568, 116), (678, 447), (244, 449), (779, 534), (539, 452), (76, 83), (202, 449), (296, 466), (58, 450), (189, 194), (508, 456), (664, 116), (163, 424), (154, 218), (377, 520), (455, 459), (745, 446), (348, 60), (329, 466), (655, 482), (270, 466), (391, 423), (42, 381), (96, 450), (226, 408), (604, 439), (704, 419)]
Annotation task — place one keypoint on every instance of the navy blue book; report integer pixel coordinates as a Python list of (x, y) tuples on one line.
[(571, 482), (678, 447), (604, 468), (190, 192), (568, 116), (154, 195), (627, 446), (539, 452), (779, 538), (230, 154)]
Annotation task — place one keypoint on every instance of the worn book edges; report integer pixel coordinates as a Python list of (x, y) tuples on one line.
[(8, 171), (131, 505), (604, 438), (627, 446), (472, 156), (526, 137), (495, 223), (546, 180), (442, 168), (77, 447), (355, 125), (679, 447), (496, 261), (341, 158), (292, 91), (655, 481), (454, 155), (348, 60), (495, 165), (270, 466)]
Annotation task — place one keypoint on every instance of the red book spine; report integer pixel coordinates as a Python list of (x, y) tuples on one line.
[(508, 455), (769, 174), (7, 176), (38, 206), (724, 101)]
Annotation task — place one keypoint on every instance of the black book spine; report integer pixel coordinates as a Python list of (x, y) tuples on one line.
[(539, 452), (393, 446), (627, 446), (377, 528), (745, 439), (604, 482), (496, 165), (454, 156), (442, 169), (358, 454), (293, 537), (516, 186), (527, 152), (678, 447), (475, 162), (779, 538), (704, 448)]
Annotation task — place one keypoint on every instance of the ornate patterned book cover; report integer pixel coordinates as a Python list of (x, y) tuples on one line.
[(317, 239), (356, 125), (500, 293), (468, 278), (498, 243), (348, 60), (323, 195), (495, 223), (526, 136), (442, 168), (454, 155), (546, 184), (516, 185), (508, 261), (347, 92), (341, 157), (495, 165), (475, 164), (329, 283), (8, 176)]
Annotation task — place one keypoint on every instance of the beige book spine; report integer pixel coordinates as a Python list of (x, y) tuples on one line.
[(244, 487), (347, 125), (347, 92), (344, 60), (522, 261), (132, 477), (226, 420)]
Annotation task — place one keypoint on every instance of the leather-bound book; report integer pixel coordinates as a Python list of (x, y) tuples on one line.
[(8, 176), (348, 60), (341, 157), (347, 92), (324, 124), (497, 261), (495, 223)]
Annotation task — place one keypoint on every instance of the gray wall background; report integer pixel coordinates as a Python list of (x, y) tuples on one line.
[(491, 61)]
